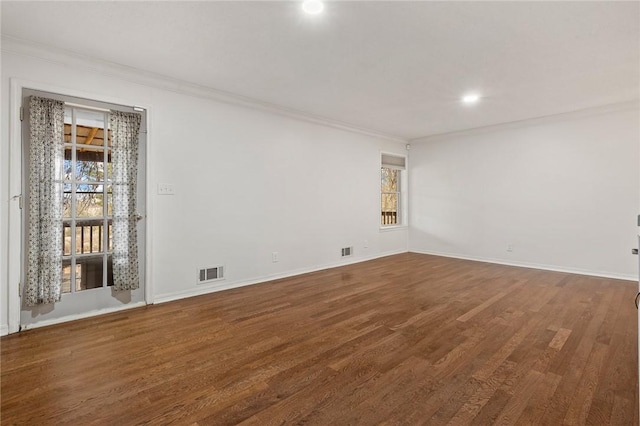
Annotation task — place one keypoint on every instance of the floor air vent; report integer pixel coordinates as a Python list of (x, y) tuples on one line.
[(347, 251), (213, 273)]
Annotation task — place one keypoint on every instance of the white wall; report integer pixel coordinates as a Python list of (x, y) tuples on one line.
[(259, 184), (563, 191), (248, 182)]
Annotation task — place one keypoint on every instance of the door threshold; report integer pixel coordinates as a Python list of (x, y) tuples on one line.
[(83, 315)]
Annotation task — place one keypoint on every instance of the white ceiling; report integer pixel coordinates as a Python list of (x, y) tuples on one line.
[(393, 67)]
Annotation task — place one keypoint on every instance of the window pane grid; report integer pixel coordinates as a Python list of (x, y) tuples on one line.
[(86, 202), (390, 196)]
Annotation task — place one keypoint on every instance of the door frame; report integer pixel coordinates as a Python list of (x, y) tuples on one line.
[(15, 213)]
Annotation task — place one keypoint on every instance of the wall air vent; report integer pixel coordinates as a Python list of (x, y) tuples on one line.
[(212, 273), (347, 251)]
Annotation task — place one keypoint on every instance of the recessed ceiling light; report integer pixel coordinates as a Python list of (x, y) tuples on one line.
[(471, 98), (312, 7)]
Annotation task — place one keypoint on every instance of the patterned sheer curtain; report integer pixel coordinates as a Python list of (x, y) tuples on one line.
[(46, 155), (125, 128)]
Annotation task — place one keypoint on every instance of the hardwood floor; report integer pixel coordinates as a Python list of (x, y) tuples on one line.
[(407, 339)]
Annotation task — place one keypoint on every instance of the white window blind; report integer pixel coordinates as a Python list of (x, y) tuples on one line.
[(393, 162)]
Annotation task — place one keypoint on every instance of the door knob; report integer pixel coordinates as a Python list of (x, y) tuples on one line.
[(634, 251)]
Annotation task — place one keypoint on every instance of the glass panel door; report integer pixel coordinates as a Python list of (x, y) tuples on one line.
[(87, 239), (87, 203)]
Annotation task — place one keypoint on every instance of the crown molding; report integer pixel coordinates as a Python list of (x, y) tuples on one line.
[(586, 112), (141, 77)]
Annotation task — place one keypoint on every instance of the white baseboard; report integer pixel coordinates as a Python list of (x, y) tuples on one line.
[(81, 316), (222, 285), (4, 330), (553, 268)]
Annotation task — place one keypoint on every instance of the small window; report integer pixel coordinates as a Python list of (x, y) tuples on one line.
[(392, 182)]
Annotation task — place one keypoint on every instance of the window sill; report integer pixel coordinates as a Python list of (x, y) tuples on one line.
[(389, 228)]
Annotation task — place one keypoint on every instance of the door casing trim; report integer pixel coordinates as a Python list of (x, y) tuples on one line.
[(15, 232)]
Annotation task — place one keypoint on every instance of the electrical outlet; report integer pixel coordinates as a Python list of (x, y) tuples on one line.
[(366, 244), (509, 247), (166, 189), (274, 257)]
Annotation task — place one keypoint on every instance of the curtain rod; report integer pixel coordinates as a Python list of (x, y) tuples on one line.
[(71, 104)]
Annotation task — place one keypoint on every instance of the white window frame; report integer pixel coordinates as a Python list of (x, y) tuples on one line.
[(400, 163)]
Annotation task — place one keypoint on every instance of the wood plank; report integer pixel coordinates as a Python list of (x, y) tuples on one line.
[(582, 398), (479, 399), (405, 339), (92, 134), (473, 312), (560, 338), (502, 353), (524, 390), (540, 400)]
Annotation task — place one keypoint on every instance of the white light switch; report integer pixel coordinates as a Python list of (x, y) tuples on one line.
[(166, 189)]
